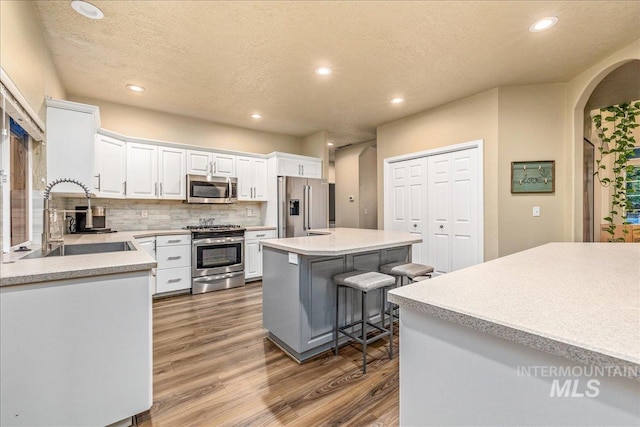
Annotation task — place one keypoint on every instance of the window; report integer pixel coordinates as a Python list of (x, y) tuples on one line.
[(633, 194), (16, 184), (19, 184)]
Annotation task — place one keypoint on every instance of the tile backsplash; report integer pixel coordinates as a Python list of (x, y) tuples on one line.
[(128, 215)]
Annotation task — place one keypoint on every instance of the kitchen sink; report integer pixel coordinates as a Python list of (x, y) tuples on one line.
[(85, 248)]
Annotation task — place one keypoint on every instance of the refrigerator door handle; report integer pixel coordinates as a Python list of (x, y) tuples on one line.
[(309, 205), (305, 204), (282, 214)]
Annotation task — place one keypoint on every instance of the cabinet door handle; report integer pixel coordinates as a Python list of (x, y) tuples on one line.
[(302, 166), (215, 166), (155, 188), (161, 189), (174, 241), (173, 258), (99, 182), (260, 235), (174, 280), (124, 188)]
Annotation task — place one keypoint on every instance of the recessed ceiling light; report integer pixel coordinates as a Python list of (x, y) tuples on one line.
[(87, 9), (543, 24), (397, 100), (323, 71), (135, 88), (330, 144), (256, 116)]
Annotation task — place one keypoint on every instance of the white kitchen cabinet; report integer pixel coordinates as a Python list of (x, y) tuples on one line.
[(253, 252), (252, 178), (172, 184), (70, 139), (110, 165), (155, 172), (142, 171), (208, 162), (149, 245), (173, 253), (307, 167)]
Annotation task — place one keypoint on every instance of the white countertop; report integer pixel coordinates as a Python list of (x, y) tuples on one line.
[(577, 300), (342, 241), (16, 271)]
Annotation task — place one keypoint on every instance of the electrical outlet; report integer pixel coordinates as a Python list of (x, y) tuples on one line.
[(536, 211), (249, 212), (144, 214)]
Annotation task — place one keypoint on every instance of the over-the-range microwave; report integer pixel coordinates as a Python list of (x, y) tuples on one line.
[(211, 189)]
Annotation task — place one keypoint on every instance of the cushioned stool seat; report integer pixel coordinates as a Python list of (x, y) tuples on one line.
[(364, 281), (407, 269)]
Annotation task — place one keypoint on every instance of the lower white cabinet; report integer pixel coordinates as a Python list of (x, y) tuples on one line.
[(149, 245), (253, 252), (173, 253)]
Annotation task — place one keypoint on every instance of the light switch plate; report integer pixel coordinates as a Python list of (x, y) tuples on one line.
[(293, 258), (536, 211)]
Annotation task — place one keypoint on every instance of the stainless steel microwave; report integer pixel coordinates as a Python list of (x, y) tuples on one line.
[(211, 189)]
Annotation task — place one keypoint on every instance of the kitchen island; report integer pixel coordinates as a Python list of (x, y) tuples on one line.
[(299, 303), (547, 336)]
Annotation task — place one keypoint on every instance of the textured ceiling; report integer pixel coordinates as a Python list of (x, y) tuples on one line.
[(222, 61)]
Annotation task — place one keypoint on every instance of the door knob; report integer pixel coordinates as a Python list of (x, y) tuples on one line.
[(441, 226), (415, 225)]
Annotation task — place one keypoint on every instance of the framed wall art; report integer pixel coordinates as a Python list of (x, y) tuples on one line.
[(533, 177)]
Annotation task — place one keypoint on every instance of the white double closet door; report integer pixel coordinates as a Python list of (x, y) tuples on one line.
[(438, 197)]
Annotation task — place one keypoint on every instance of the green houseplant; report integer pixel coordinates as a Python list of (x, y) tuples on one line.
[(614, 126)]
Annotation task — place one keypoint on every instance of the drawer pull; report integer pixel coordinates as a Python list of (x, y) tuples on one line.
[(260, 235), (173, 258), (174, 280), (174, 241)]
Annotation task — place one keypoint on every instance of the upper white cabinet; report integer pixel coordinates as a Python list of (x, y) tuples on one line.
[(142, 171), (172, 175), (307, 167), (110, 165), (252, 178), (207, 162), (71, 129), (155, 172)]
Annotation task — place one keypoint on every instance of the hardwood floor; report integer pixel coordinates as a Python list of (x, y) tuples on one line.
[(214, 366)]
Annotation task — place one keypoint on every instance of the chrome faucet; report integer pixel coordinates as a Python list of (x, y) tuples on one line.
[(48, 241)]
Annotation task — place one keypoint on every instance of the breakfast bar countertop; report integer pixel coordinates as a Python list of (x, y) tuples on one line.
[(342, 241), (580, 301)]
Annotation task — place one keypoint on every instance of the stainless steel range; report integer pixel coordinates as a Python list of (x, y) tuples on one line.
[(217, 257)]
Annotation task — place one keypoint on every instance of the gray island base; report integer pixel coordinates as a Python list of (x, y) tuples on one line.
[(299, 297)]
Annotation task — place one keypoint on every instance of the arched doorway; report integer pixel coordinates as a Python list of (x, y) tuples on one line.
[(618, 86)]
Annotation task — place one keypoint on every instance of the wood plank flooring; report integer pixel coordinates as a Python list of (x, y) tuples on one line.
[(214, 366)]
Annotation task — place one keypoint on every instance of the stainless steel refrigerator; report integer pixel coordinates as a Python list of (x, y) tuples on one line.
[(303, 205)]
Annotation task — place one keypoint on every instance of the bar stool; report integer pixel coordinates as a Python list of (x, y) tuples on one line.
[(364, 281), (410, 270)]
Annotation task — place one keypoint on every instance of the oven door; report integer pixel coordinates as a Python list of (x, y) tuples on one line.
[(214, 256)]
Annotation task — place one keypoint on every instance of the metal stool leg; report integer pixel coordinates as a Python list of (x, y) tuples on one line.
[(364, 332), (335, 329), (384, 303)]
